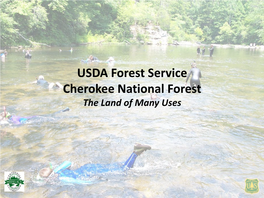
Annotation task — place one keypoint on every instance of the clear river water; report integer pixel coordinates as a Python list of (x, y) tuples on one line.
[(207, 147)]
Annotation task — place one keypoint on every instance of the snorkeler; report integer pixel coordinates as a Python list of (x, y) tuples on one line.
[(21, 120), (110, 61), (90, 59), (43, 83), (78, 176), (93, 58), (196, 75)]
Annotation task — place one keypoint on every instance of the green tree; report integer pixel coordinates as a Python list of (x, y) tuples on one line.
[(225, 34), (255, 22), (199, 33), (71, 21)]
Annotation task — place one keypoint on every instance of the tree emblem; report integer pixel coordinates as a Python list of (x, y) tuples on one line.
[(252, 186), (14, 182)]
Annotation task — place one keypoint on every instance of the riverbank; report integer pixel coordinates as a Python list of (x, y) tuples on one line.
[(189, 43), (180, 43)]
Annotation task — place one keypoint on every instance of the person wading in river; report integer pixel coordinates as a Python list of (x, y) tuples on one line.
[(203, 50), (198, 50), (196, 75), (211, 49)]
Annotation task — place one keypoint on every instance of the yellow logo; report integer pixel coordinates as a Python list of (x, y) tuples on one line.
[(252, 186)]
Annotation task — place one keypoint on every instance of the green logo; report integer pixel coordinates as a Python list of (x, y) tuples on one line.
[(252, 186), (13, 181)]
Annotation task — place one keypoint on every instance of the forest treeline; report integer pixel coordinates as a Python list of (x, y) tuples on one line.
[(64, 22)]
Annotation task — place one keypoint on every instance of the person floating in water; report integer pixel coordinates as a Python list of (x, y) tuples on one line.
[(198, 50), (203, 50), (211, 49), (80, 175), (93, 58), (43, 83), (196, 75), (6, 116), (110, 61)]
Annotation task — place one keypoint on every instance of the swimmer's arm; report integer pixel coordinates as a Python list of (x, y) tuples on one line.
[(51, 85), (200, 75), (59, 85), (63, 166)]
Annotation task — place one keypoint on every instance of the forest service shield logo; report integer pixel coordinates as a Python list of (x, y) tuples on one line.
[(252, 186), (14, 181)]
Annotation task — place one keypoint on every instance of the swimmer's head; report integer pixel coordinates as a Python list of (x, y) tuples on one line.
[(41, 77), (91, 57), (44, 173), (111, 59), (5, 114), (193, 65)]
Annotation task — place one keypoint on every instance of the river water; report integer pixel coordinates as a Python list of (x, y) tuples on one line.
[(207, 147)]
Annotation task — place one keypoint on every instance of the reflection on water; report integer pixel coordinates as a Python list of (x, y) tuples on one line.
[(207, 147)]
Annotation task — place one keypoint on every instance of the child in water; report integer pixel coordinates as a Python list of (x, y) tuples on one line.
[(43, 83), (17, 120), (63, 173), (110, 61)]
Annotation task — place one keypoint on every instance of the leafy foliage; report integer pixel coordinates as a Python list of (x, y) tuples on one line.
[(66, 22)]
